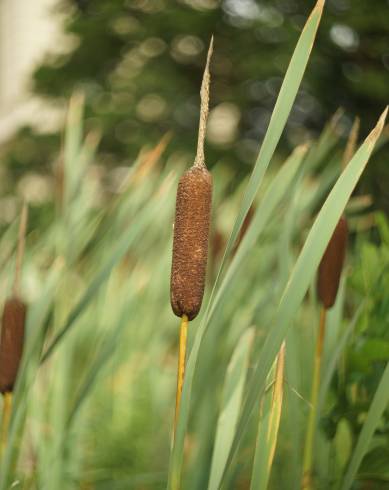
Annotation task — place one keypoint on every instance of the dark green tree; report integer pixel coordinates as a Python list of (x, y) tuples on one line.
[(140, 63)]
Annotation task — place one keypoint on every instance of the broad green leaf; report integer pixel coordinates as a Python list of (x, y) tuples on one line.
[(285, 100), (303, 273)]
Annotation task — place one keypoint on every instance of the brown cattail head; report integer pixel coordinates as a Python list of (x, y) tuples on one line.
[(190, 243), (11, 342), (191, 226), (331, 264)]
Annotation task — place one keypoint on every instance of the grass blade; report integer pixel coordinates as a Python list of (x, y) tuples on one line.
[(36, 326), (268, 428), (337, 352), (99, 363), (304, 271), (377, 408), (232, 399), (144, 217), (274, 194), (283, 106)]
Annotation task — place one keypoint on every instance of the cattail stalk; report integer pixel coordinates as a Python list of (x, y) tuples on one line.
[(329, 273), (181, 365), (7, 406), (191, 235)]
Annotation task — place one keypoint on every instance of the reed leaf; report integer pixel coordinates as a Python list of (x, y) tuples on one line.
[(377, 407), (303, 273), (231, 402)]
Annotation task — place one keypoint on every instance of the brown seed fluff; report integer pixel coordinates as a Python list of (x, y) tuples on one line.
[(190, 243), (331, 264), (11, 342)]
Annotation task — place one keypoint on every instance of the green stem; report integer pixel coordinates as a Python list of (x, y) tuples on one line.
[(309, 439)]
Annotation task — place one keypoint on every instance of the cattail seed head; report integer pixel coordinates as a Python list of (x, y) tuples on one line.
[(331, 265), (190, 243), (11, 342)]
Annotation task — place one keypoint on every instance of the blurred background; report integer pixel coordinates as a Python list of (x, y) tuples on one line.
[(123, 77), (139, 64)]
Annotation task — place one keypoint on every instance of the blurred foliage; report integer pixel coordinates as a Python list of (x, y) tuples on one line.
[(359, 372), (140, 64), (93, 405), (98, 411)]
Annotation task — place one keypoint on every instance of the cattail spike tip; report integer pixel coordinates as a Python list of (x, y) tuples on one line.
[(204, 109), (331, 265)]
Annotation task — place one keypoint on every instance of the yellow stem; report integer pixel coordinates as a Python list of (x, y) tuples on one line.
[(7, 406), (307, 483), (181, 366)]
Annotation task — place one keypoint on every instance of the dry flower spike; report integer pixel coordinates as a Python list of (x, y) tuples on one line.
[(191, 236)]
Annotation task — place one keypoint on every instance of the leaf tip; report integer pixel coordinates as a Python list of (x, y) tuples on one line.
[(302, 149), (319, 5), (375, 133), (337, 116)]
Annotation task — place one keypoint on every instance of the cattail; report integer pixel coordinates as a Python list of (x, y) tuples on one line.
[(192, 223), (331, 265), (11, 342), (13, 321), (190, 244), (328, 279), (191, 235)]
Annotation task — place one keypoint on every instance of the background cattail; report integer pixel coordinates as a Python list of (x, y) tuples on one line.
[(331, 265), (11, 342), (190, 244), (13, 320)]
